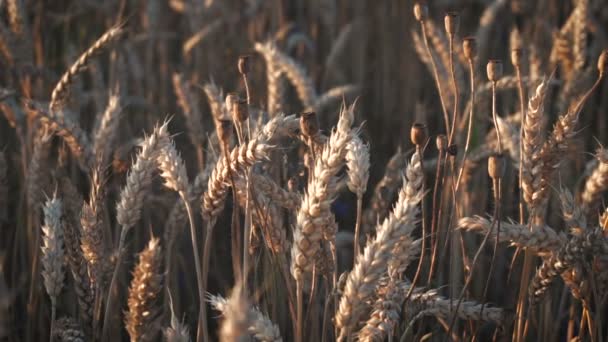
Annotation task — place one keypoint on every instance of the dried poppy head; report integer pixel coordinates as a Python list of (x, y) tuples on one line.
[(418, 134), (496, 166), (452, 23), (309, 125), (469, 47), (494, 69), (244, 64)]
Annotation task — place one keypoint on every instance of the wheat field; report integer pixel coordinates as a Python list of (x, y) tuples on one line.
[(323, 170)]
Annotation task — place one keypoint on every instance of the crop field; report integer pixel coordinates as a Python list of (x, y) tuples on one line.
[(321, 170)]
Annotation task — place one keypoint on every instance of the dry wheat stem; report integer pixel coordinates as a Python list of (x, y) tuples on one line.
[(129, 207)]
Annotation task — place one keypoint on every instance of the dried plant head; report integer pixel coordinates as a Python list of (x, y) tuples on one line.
[(602, 62), (496, 166), (517, 56), (418, 134), (494, 70), (421, 11), (309, 124), (469, 48), (441, 142), (244, 64), (451, 21)]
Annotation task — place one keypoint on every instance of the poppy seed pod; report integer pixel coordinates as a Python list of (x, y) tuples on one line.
[(496, 166), (240, 110), (231, 99), (224, 131), (452, 23), (442, 142), (421, 11), (244, 64), (494, 69), (602, 62), (309, 125), (469, 48), (516, 57), (418, 134), (453, 150)]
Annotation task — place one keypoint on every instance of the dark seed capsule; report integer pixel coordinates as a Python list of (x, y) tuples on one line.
[(309, 125), (418, 134)]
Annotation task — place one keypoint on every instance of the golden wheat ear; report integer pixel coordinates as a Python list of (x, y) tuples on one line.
[(144, 294)]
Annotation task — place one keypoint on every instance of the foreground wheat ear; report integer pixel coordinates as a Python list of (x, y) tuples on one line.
[(144, 294)]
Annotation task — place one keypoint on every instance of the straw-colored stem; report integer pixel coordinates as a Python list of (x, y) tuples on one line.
[(206, 257), (109, 301), (357, 228), (456, 94), (300, 311), (470, 128), (202, 319), (494, 117), (436, 76), (435, 217), (522, 106)]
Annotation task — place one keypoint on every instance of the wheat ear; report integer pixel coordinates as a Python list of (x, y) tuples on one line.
[(597, 182), (106, 129), (144, 293), (52, 253), (294, 72), (128, 209), (541, 239), (258, 323), (357, 163), (62, 88), (67, 329)]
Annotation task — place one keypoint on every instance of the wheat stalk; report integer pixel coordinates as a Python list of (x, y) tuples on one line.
[(372, 263)]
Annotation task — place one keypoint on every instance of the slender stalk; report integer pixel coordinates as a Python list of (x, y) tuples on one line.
[(206, 258), (494, 117), (434, 218), (522, 109), (455, 85), (202, 319), (358, 228), (470, 128), (53, 316), (109, 301), (436, 76), (299, 305)]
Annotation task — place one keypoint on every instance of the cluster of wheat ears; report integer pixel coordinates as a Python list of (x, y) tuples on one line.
[(410, 261)]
